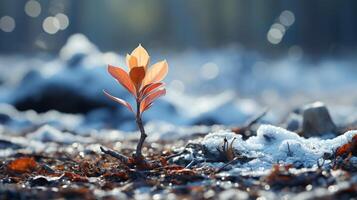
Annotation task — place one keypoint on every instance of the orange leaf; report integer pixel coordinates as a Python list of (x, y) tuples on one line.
[(150, 88), (131, 61), (147, 102), (344, 149), (123, 78), (22, 165), (145, 107), (156, 73), (137, 74), (141, 55), (118, 100), (350, 147)]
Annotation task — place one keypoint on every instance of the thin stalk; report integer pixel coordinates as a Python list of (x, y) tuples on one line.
[(139, 122)]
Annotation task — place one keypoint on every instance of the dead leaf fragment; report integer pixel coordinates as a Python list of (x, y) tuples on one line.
[(349, 148), (75, 177), (22, 165)]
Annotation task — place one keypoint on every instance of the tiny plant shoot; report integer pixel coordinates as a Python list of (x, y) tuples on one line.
[(143, 83)]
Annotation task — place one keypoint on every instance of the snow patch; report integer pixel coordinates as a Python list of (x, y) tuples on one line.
[(48, 133), (274, 145)]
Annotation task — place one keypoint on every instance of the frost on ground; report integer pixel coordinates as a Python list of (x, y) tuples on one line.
[(274, 145), (273, 163)]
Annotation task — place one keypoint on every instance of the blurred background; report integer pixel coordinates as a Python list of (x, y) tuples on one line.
[(228, 59), (272, 27)]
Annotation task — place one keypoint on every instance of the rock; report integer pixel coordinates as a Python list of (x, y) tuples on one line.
[(317, 120), (43, 181), (51, 96)]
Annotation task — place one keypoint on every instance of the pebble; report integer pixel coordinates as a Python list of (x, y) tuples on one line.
[(317, 120)]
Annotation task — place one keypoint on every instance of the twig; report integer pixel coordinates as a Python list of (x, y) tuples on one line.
[(256, 118), (181, 152), (116, 155), (228, 163), (289, 154), (194, 161)]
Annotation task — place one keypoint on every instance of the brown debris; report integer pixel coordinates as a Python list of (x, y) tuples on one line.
[(22, 165), (349, 148)]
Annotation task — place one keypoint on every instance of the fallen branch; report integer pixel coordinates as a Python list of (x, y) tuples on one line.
[(121, 157), (228, 163), (248, 124), (184, 150), (255, 119)]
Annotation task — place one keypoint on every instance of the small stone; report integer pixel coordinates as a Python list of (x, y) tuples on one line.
[(317, 120), (43, 181)]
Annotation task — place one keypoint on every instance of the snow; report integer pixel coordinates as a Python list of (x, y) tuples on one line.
[(274, 145), (79, 75), (243, 86), (233, 194), (77, 44), (48, 133), (16, 121)]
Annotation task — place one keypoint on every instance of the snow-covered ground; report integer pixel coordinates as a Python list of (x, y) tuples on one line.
[(223, 86), (274, 145), (54, 104)]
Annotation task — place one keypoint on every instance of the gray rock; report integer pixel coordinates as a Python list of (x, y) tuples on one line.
[(317, 120)]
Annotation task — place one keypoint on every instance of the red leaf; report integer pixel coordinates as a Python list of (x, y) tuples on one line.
[(118, 100), (146, 103), (137, 74), (149, 89), (22, 165), (350, 147), (143, 109), (123, 78)]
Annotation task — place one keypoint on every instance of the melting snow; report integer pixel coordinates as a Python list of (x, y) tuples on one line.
[(274, 145), (48, 133)]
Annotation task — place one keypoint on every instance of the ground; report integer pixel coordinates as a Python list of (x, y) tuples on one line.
[(183, 168), (210, 137)]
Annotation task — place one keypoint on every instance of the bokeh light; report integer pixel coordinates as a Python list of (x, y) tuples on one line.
[(51, 25), (280, 27), (63, 21), (287, 18), (33, 8), (178, 86), (209, 71), (275, 36), (7, 24)]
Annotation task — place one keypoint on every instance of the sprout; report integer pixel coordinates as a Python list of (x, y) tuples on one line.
[(143, 83)]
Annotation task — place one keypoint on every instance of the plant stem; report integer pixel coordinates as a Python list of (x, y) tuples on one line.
[(139, 122)]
